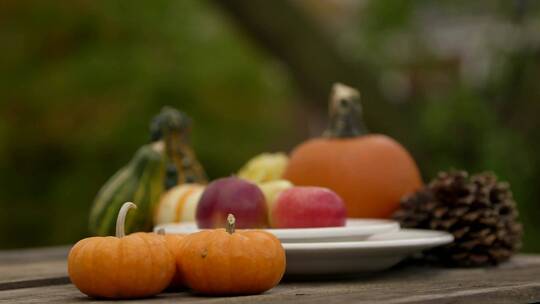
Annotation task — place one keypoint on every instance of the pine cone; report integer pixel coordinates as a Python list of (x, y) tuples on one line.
[(479, 211)]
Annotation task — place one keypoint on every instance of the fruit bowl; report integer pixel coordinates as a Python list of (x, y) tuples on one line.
[(354, 230)]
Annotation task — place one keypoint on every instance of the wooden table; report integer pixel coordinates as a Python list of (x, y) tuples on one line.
[(39, 275)]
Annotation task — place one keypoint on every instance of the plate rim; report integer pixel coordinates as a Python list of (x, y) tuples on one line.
[(437, 238)]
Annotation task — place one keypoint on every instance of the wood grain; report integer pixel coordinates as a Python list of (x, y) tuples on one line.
[(33, 267), (33, 255), (516, 281), (30, 274)]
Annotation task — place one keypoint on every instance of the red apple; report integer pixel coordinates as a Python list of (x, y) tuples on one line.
[(232, 195), (304, 207)]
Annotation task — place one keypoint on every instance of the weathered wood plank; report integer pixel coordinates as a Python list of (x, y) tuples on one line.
[(33, 255), (288, 293), (20, 275), (517, 281), (34, 283), (33, 267)]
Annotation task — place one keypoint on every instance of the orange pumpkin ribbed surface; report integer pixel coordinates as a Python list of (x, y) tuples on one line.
[(133, 266), (229, 262), (370, 172)]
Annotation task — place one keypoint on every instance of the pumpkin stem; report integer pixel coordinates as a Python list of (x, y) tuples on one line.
[(230, 223), (121, 219), (345, 113)]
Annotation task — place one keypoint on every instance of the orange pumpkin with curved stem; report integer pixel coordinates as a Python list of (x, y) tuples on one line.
[(371, 172), (133, 266), (225, 261)]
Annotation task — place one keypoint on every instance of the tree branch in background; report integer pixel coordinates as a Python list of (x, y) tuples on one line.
[(281, 28)]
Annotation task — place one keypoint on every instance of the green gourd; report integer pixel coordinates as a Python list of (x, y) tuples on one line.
[(140, 181), (173, 127), (166, 162)]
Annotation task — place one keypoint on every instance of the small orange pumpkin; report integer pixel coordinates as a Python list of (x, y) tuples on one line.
[(133, 266), (370, 172), (226, 262)]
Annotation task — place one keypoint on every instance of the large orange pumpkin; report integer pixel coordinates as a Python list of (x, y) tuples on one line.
[(225, 261), (133, 266), (370, 172)]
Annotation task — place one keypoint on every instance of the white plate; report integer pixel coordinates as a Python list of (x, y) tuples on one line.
[(377, 253), (355, 230)]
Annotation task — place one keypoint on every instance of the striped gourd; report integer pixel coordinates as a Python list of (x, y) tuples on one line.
[(141, 181)]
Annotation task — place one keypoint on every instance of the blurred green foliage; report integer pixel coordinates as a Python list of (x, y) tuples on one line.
[(80, 80), (472, 87)]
